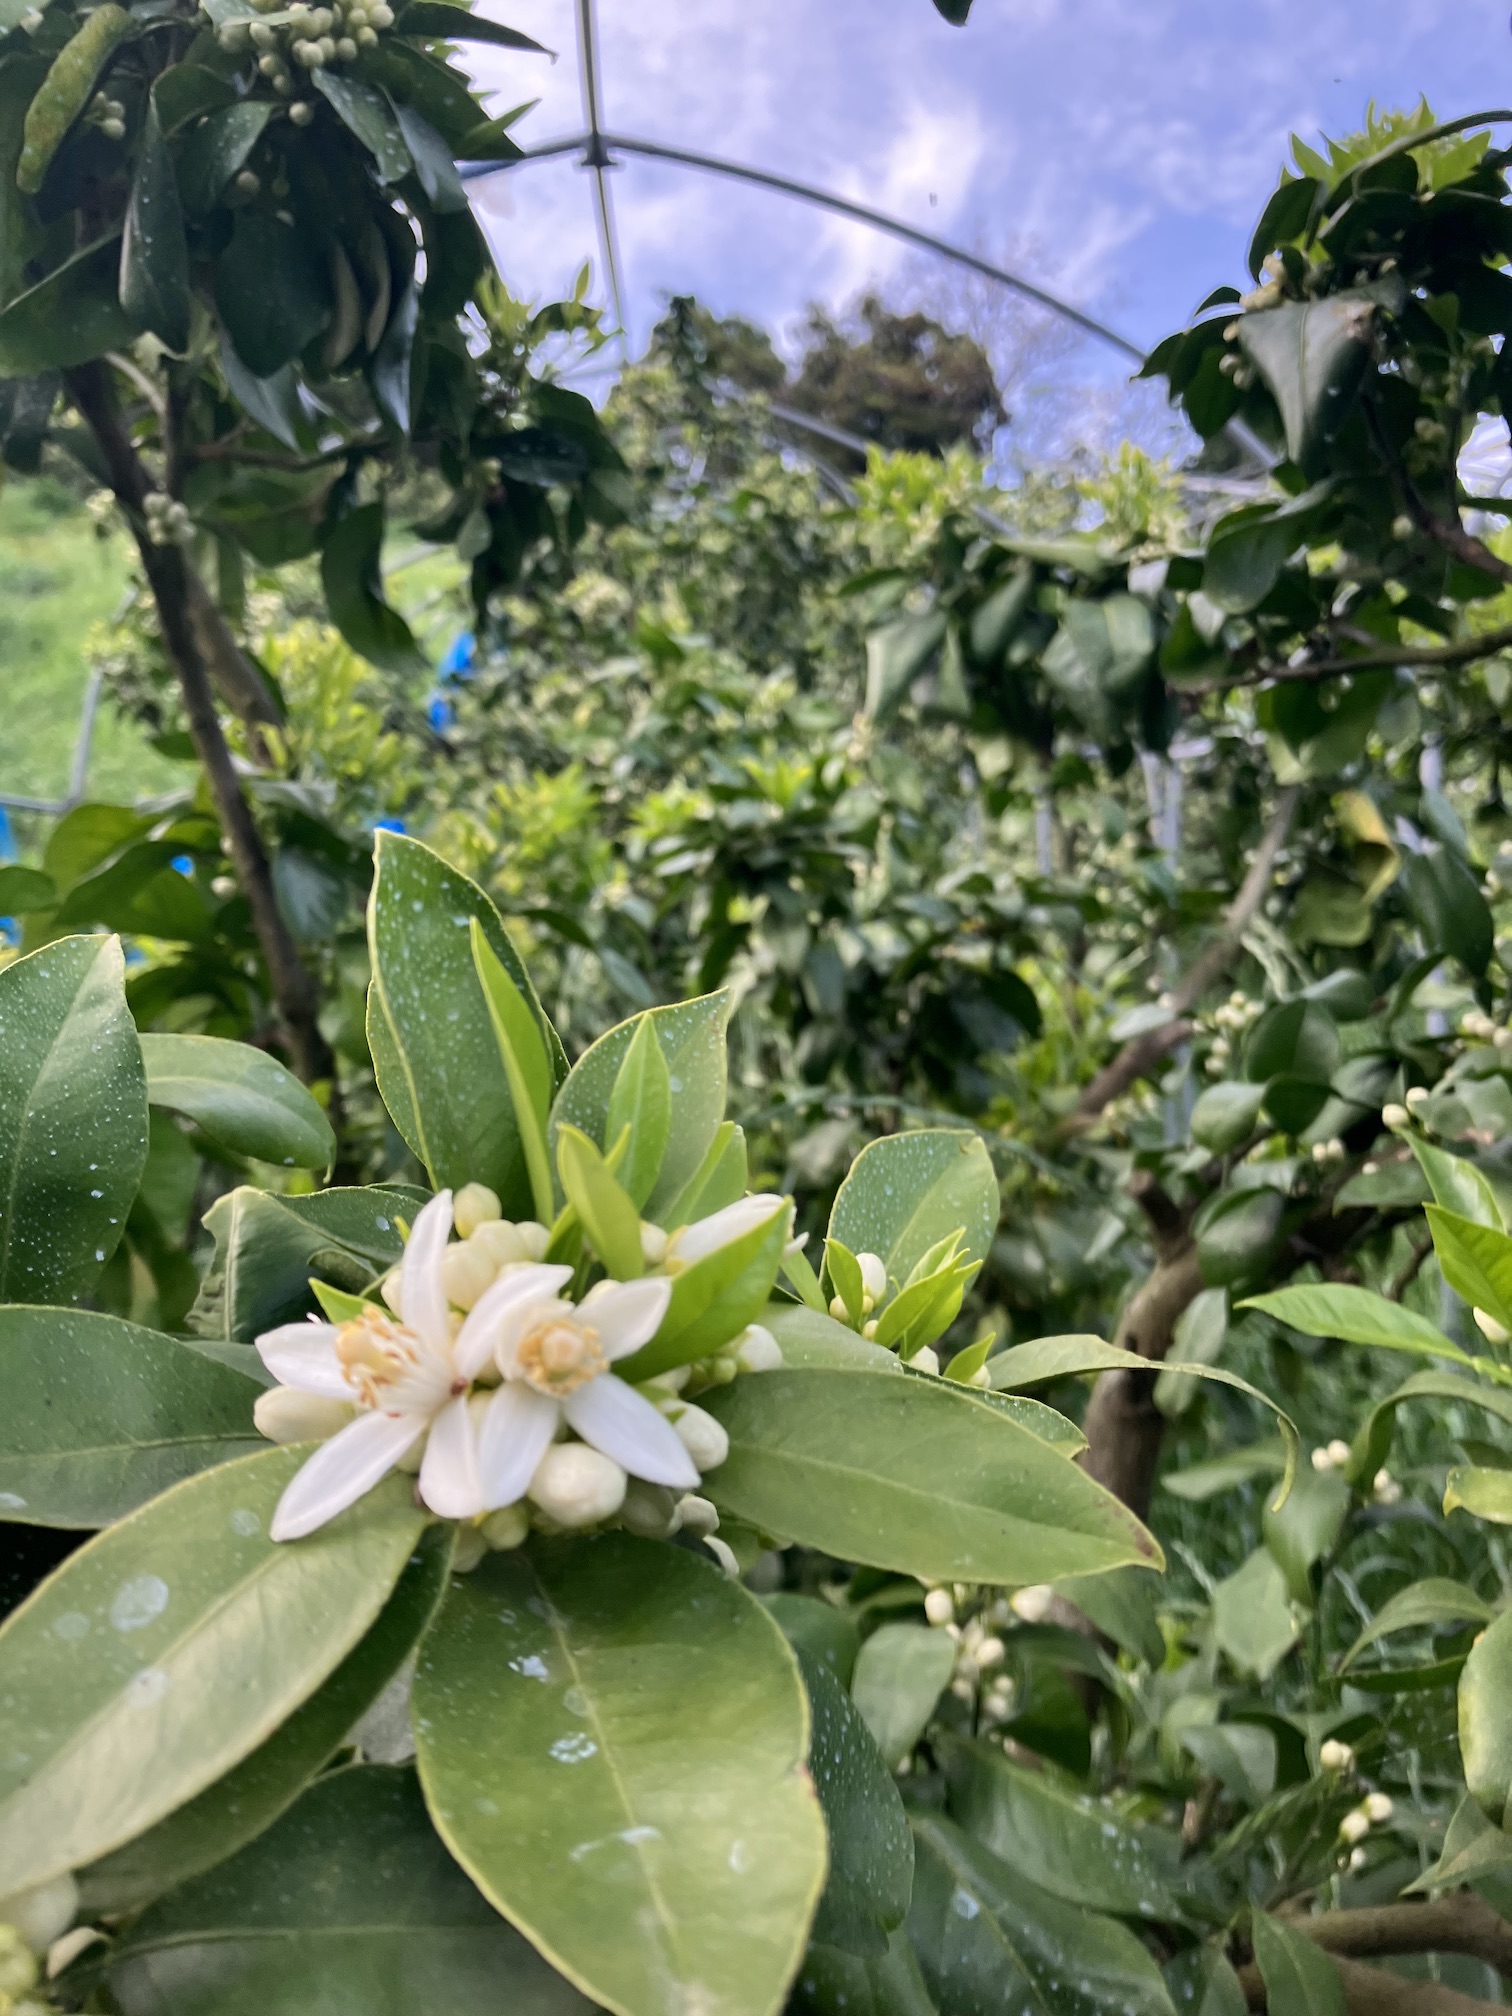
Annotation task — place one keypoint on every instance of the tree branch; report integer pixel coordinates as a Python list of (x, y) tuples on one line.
[(171, 579), (1371, 1991), (1142, 1053), (1387, 657), (1460, 1923)]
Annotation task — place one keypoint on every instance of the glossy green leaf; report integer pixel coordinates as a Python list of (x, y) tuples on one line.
[(816, 1342), (101, 1415), (368, 114), (714, 1298), (25, 889), (527, 1066), (907, 1192), (1312, 356), (989, 1940), (1432, 1602), (817, 1630), (1225, 1115), (1237, 1239), (642, 1104), (1299, 1977), (1476, 1261), (1202, 1982), (1253, 1620), (435, 1048), (266, 1249), (871, 1848), (154, 251), (613, 1719), (912, 1474), (1446, 900), (218, 148), (274, 297), (434, 164), (1358, 1317), (900, 1673), (721, 1178), (171, 1646), (243, 1099), (73, 1118), (1372, 1444), (896, 655), (1485, 1719), (351, 574), (843, 1271), (1080, 1850), (460, 24), (1242, 1756), (605, 1213), (692, 1039), (833, 1983), (72, 316), (1122, 1606), (1474, 1851), (237, 1808), (349, 1906), (1457, 1184), (1485, 1494), (1304, 1530)]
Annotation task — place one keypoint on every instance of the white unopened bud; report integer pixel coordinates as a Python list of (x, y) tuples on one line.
[(649, 1510), (1378, 1808), (269, 65), (653, 1243), (1033, 1604), (63, 1952), (381, 16), (1322, 1462), (346, 49), (869, 1330), (1358, 1857), (925, 1360), (1490, 1329), (328, 48), (505, 1529), (1395, 1116), (499, 1244), (873, 1275), (286, 1415), (1354, 1827), (698, 1516), (757, 1350), (1386, 1490), (41, 1915), (939, 1606), (577, 1486), (388, 1288), (838, 1309), (1338, 1453), (248, 181), (113, 129), (700, 1434), (367, 38), (1416, 1097), (990, 1652), (466, 1271), (302, 112), (534, 1237), (474, 1205), (264, 36), (1335, 1756)]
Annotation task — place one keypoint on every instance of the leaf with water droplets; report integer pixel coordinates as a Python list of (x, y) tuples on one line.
[(871, 1849)]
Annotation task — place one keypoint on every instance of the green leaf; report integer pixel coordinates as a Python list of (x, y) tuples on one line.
[(1225, 1115), (1299, 1977), (1253, 1621), (169, 1648), (871, 1848), (66, 90), (605, 1213), (1237, 1239), (713, 1299), (154, 251), (915, 1475), (352, 576), (439, 1067), (818, 1630), (68, 318), (1358, 1316), (1303, 1532), (460, 24), (832, 1983), (907, 1192), (1474, 1851), (1484, 1494), (243, 1099), (101, 1415), (1080, 1850), (350, 1906), (1313, 356), (1242, 1756), (1442, 895), (273, 296), (1476, 1261), (844, 1274), (1457, 1184), (692, 1039), (25, 889), (218, 148), (811, 1340), (73, 1118), (1372, 1444), (527, 1066), (1203, 1983), (1431, 1602), (989, 1940), (721, 1178), (368, 114), (896, 656), (1295, 1039), (20, 234), (642, 1104), (237, 1808), (433, 161), (1485, 1719), (901, 1672), (1121, 1605), (1200, 1481), (610, 1739), (266, 1249)]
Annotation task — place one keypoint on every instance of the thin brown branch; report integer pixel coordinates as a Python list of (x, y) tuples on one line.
[(1141, 1054), (1371, 1991), (1426, 658), (170, 576), (1460, 1923), (1410, 1271)]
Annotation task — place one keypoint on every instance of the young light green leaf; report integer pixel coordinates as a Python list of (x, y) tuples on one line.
[(1485, 1494), (243, 1099), (714, 1298), (915, 1475), (610, 1739), (721, 1178), (1372, 1444), (642, 1103), (1358, 1317), (811, 1338), (1253, 1620), (527, 1066), (1476, 1261), (1431, 1602), (844, 1272), (73, 1118), (905, 1193), (1457, 1184), (349, 1905), (605, 1213), (901, 1672), (117, 1676), (1299, 1977), (101, 1415), (871, 1848), (237, 1808)]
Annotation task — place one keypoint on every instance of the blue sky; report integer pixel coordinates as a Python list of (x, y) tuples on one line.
[(1117, 149)]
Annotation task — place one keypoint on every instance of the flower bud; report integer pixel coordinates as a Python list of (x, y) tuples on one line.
[(1322, 1462), (367, 38), (1378, 1808), (283, 1414), (388, 1287), (264, 36), (466, 1271), (925, 1360), (724, 1555), (698, 1516), (1385, 1489), (695, 1242), (506, 1528), (474, 1205), (1033, 1604), (873, 1275), (63, 1952), (649, 1510), (757, 1350), (991, 1652), (1490, 1329), (381, 16), (499, 1244), (869, 1330), (302, 113), (1338, 1453), (535, 1236), (1416, 1097), (248, 181), (1357, 1860), (1354, 1827), (270, 65), (939, 1606), (346, 49), (39, 1915), (838, 1309), (653, 1244), (113, 129), (327, 48), (1335, 1756), (1395, 1116), (577, 1486), (701, 1435)]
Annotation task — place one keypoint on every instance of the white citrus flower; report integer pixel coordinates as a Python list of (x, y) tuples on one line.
[(555, 1358), (407, 1379), (695, 1242)]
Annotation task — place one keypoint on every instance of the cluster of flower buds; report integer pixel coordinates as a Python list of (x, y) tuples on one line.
[(1480, 1028), (35, 1942), (1335, 1455), (1374, 1810), (168, 521), (109, 114), (1231, 1020), (304, 39), (1325, 1153)]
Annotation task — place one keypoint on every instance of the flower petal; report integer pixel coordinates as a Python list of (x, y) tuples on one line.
[(449, 1472), (622, 1423), (342, 1470), (480, 1333), (627, 1314), (304, 1355), (707, 1235), (518, 1425), (422, 1295)]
